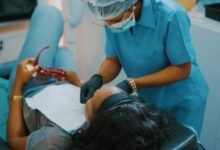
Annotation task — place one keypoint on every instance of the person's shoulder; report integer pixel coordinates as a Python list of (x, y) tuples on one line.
[(169, 8)]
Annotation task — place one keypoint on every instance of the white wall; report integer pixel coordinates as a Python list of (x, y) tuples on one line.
[(206, 38), (89, 45), (90, 41)]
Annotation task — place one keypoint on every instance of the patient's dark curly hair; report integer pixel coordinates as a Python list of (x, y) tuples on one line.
[(131, 126)]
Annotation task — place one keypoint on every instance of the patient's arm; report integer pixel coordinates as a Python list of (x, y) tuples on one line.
[(73, 78), (17, 133)]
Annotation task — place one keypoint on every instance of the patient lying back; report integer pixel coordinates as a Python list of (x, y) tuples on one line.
[(53, 119)]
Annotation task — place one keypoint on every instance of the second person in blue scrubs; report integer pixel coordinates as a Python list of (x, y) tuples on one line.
[(151, 41)]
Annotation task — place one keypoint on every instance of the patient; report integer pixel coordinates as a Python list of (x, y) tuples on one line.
[(114, 119)]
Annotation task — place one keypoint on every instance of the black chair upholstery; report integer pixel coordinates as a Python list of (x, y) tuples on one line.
[(200, 147), (181, 138)]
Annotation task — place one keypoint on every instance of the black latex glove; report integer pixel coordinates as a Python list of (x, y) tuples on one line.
[(125, 85), (89, 88)]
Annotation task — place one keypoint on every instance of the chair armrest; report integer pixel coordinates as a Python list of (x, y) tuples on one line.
[(180, 138), (6, 68)]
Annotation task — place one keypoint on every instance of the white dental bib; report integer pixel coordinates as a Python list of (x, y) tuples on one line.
[(60, 104)]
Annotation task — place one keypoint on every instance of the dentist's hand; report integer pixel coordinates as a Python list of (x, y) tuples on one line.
[(125, 85), (89, 88), (23, 74)]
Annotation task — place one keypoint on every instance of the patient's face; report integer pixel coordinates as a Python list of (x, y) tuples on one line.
[(99, 96)]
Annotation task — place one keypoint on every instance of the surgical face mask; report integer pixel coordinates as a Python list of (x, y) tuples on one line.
[(124, 25)]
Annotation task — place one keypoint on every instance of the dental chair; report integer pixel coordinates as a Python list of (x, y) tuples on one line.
[(181, 137)]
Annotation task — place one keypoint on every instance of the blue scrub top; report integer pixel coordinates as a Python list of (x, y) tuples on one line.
[(160, 38)]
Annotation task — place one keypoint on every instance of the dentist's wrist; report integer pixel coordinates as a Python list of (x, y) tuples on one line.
[(132, 84)]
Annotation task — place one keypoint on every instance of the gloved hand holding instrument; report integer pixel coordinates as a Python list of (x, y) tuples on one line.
[(89, 87)]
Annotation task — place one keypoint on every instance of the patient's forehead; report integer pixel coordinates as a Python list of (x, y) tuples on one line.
[(98, 98), (103, 93), (108, 91)]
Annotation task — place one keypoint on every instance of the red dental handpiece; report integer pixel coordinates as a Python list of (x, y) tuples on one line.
[(49, 72), (53, 72)]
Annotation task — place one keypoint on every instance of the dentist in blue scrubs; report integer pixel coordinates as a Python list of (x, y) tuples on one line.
[(150, 40)]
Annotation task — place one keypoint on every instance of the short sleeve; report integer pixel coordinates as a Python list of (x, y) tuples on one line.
[(178, 45), (48, 137), (110, 47)]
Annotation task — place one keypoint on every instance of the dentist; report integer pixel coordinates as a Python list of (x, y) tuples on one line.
[(151, 41)]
